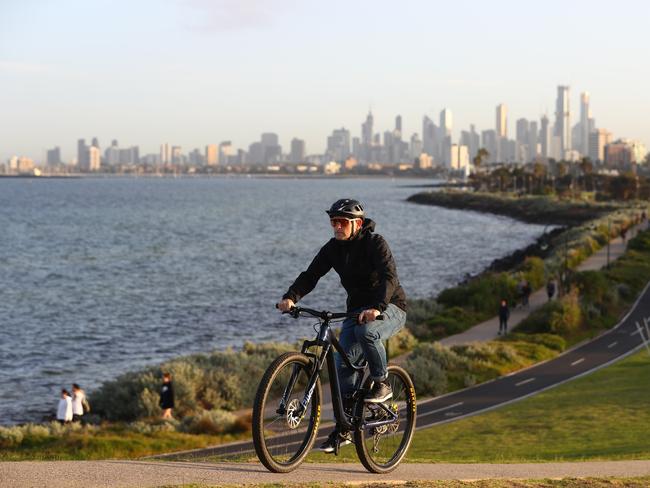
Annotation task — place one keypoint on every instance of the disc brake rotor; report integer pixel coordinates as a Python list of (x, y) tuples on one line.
[(293, 418)]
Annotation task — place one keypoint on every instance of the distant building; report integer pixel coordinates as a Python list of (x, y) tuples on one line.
[(227, 154), (545, 137), (416, 147), (489, 143), (211, 155), (429, 130), (165, 154), (563, 118), (624, 152), (338, 145), (82, 153), (92, 161), (177, 155), (502, 121), (54, 156), (298, 152), (597, 142), (458, 157), (270, 147), (424, 161)]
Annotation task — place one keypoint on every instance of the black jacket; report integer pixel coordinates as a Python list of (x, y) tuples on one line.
[(167, 395), (366, 268), (504, 312)]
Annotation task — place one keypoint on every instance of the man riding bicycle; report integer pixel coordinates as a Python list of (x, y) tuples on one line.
[(367, 270)]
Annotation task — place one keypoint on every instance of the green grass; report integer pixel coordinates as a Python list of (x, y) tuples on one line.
[(112, 442), (604, 415)]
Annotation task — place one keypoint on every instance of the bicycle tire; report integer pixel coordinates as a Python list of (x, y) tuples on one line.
[(277, 452), (395, 438)]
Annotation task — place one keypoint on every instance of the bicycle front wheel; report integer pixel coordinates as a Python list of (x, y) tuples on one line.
[(284, 432), (383, 447)]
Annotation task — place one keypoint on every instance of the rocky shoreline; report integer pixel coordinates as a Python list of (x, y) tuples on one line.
[(529, 209)]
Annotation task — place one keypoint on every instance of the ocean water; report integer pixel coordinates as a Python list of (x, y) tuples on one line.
[(99, 276)]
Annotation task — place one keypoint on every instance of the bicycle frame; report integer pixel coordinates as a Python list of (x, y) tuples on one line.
[(329, 343)]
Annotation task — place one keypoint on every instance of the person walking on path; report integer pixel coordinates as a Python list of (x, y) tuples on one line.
[(504, 315), (526, 291), (167, 396), (64, 410), (550, 289), (78, 401)]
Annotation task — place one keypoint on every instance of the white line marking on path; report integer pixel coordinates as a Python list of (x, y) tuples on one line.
[(444, 408), (636, 332), (612, 344), (577, 362), (525, 381)]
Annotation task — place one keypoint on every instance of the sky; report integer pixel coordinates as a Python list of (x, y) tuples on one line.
[(197, 72)]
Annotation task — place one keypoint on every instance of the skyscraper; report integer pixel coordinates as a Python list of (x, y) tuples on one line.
[(211, 155), (366, 137), (54, 156), (563, 119), (338, 145), (445, 139), (82, 153), (544, 137), (428, 135), (502, 120), (533, 135), (297, 151), (585, 123)]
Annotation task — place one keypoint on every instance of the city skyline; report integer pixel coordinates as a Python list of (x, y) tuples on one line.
[(193, 72)]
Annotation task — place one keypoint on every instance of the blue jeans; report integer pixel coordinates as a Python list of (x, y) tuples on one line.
[(366, 340)]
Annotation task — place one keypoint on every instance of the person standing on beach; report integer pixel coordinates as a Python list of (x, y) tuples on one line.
[(78, 400), (64, 410), (504, 315), (167, 396)]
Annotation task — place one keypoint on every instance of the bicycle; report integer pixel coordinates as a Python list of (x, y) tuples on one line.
[(287, 407)]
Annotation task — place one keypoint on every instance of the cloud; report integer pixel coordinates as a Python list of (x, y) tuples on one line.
[(235, 15)]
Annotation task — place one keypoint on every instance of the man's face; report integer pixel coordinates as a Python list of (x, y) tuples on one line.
[(343, 227)]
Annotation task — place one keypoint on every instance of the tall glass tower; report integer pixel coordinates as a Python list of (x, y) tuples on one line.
[(563, 118)]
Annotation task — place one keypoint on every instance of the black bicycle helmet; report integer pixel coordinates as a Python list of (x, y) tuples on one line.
[(346, 207)]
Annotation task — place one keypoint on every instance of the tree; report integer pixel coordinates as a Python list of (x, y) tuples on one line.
[(587, 168), (481, 156)]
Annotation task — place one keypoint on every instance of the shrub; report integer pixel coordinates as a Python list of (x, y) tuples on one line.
[(451, 321), (213, 422), (592, 285), (550, 341), (401, 342), (566, 319), (534, 272), (11, 436), (428, 377)]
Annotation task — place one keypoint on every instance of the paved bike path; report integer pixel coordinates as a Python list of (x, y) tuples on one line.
[(143, 474)]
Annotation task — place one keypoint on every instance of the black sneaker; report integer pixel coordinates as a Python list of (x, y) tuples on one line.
[(381, 391), (344, 438)]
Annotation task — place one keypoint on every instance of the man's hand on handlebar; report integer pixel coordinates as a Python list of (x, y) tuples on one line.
[(368, 315), (286, 305)]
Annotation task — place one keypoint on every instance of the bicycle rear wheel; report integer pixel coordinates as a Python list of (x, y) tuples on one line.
[(382, 448), (282, 434)]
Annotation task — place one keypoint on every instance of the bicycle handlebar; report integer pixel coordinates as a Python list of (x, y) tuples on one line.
[(323, 314)]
